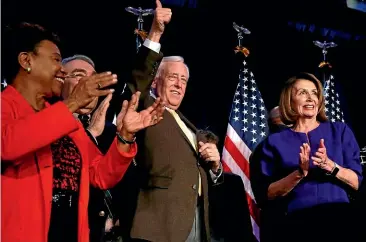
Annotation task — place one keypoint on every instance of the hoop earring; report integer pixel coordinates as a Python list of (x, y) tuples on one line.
[(28, 69)]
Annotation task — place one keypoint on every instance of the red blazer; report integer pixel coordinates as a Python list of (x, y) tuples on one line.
[(26, 194)]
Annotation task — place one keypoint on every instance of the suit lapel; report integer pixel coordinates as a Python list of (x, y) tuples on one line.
[(187, 122), (180, 130), (149, 101)]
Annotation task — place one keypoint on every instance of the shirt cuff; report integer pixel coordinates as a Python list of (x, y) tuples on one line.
[(215, 176), (152, 45)]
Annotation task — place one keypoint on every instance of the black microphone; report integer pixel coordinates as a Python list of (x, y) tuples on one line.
[(206, 136)]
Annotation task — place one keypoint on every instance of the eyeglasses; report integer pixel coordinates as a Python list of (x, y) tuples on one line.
[(73, 75)]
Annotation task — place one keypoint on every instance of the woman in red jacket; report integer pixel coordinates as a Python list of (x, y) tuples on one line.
[(47, 158)]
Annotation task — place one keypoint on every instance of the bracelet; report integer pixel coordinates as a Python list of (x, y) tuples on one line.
[(120, 138)]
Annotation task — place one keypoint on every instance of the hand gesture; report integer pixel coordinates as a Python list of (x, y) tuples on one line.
[(321, 158), (129, 121), (97, 121), (88, 88), (210, 153), (304, 158), (162, 17)]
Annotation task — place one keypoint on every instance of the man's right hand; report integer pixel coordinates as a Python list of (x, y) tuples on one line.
[(162, 17), (88, 88), (97, 122)]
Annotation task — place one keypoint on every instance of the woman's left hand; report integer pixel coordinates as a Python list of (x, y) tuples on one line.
[(321, 158)]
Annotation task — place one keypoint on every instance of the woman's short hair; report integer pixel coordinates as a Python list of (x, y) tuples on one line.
[(23, 37), (288, 115)]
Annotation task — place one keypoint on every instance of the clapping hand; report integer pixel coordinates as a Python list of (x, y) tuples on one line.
[(97, 122), (304, 159), (129, 121), (321, 158), (88, 88)]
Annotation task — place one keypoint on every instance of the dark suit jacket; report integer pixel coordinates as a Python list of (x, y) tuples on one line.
[(169, 170), (124, 196), (97, 210)]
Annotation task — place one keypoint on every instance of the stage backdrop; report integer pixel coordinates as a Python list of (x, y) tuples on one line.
[(280, 45)]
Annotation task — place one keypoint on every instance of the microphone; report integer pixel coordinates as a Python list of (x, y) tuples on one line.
[(206, 136)]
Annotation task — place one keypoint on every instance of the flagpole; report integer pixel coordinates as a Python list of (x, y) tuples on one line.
[(239, 48), (331, 89), (246, 129), (324, 47), (140, 33)]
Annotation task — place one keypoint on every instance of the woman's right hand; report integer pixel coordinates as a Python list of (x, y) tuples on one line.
[(304, 159), (88, 88)]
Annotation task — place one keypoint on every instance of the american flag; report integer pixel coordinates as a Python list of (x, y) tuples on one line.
[(333, 108), (3, 84), (246, 129), (363, 155)]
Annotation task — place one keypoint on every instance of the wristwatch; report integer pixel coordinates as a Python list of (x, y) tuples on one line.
[(219, 170), (334, 171)]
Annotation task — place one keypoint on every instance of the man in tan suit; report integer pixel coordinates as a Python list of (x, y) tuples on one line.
[(176, 168)]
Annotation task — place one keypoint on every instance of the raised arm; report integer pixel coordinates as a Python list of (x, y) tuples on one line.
[(149, 55)]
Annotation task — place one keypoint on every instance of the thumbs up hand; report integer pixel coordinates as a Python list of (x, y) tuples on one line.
[(162, 17)]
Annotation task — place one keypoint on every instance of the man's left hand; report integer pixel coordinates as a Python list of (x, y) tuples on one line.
[(97, 121), (210, 153)]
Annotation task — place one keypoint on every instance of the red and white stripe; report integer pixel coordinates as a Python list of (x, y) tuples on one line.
[(235, 159)]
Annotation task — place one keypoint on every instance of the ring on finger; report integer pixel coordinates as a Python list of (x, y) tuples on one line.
[(99, 86), (154, 118)]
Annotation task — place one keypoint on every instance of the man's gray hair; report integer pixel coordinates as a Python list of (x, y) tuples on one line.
[(79, 57), (170, 59)]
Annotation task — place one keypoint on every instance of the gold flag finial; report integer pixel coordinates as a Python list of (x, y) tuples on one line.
[(325, 63), (142, 33), (242, 49)]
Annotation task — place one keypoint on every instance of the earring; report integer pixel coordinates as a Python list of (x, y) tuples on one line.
[(28, 69)]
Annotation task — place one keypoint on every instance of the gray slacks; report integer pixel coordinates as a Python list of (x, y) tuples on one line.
[(196, 231)]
